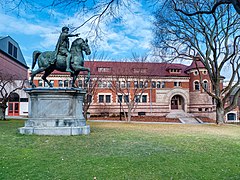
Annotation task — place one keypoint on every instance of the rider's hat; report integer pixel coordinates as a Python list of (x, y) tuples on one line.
[(65, 28)]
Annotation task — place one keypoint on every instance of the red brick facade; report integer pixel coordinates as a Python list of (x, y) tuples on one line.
[(174, 87)]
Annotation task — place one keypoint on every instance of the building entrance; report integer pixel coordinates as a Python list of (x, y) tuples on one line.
[(13, 105), (177, 102)]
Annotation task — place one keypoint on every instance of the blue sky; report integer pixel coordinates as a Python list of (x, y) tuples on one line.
[(120, 38)]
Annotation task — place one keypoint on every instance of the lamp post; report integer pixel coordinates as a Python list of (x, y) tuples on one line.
[(120, 110)]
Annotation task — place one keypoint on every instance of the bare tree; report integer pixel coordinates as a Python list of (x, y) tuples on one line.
[(8, 85), (129, 83), (96, 10), (91, 87), (180, 6), (214, 37)]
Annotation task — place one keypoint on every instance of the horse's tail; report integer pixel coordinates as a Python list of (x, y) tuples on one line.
[(35, 57)]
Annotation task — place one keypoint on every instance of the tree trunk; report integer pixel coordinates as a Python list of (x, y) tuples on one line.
[(2, 112), (220, 113), (129, 115)]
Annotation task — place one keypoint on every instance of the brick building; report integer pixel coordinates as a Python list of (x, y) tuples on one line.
[(162, 88), (13, 66)]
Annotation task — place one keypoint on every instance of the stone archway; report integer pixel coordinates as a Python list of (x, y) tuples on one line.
[(177, 102)]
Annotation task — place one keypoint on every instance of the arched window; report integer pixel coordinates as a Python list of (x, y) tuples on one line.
[(196, 86), (231, 116), (14, 97), (205, 84)]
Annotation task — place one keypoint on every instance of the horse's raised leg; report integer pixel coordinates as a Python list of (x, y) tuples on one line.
[(34, 73), (45, 75)]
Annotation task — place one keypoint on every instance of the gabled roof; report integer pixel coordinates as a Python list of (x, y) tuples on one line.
[(4, 48)]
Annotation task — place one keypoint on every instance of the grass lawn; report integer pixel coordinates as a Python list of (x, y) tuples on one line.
[(122, 151)]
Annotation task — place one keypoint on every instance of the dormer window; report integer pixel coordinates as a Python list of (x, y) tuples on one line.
[(12, 50), (175, 70), (104, 69), (139, 70)]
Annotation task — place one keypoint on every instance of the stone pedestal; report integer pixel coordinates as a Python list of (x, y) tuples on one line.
[(55, 111)]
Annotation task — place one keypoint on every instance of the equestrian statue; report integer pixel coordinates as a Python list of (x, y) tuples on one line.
[(62, 59)]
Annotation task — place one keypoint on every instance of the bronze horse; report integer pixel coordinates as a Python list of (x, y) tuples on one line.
[(77, 62)]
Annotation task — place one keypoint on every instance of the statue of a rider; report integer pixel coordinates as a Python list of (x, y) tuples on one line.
[(62, 47)]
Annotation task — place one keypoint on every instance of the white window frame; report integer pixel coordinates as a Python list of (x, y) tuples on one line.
[(104, 98)]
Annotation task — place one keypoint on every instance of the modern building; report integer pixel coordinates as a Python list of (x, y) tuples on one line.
[(158, 88), (13, 67)]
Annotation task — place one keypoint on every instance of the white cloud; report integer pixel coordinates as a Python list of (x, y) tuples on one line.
[(133, 33)]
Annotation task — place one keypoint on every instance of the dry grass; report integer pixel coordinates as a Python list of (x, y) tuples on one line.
[(122, 151)]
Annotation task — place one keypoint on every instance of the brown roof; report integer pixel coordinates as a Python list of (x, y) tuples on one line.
[(134, 68)]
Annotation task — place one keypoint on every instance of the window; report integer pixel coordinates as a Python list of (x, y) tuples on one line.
[(158, 84), (52, 82), (12, 50), (205, 84), (122, 84), (231, 116), (135, 84), (120, 98), (70, 83), (137, 98), (109, 84), (101, 98), (205, 72), (141, 84), (40, 83), (103, 84), (144, 98), (196, 86), (100, 84), (177, 84), (163, 85), (195, 73), (175, 70), (104, 98), (139, 70), (200, 109), (146, 84), (108, 98), (60, 83), (141, 113), (65, 83), (126, 98), (23, 99), (104, 69), (128, 84), (153, 84), (45, 84)]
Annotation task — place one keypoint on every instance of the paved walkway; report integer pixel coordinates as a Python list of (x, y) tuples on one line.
[(16, 117), (141, 122), (114, 121)]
